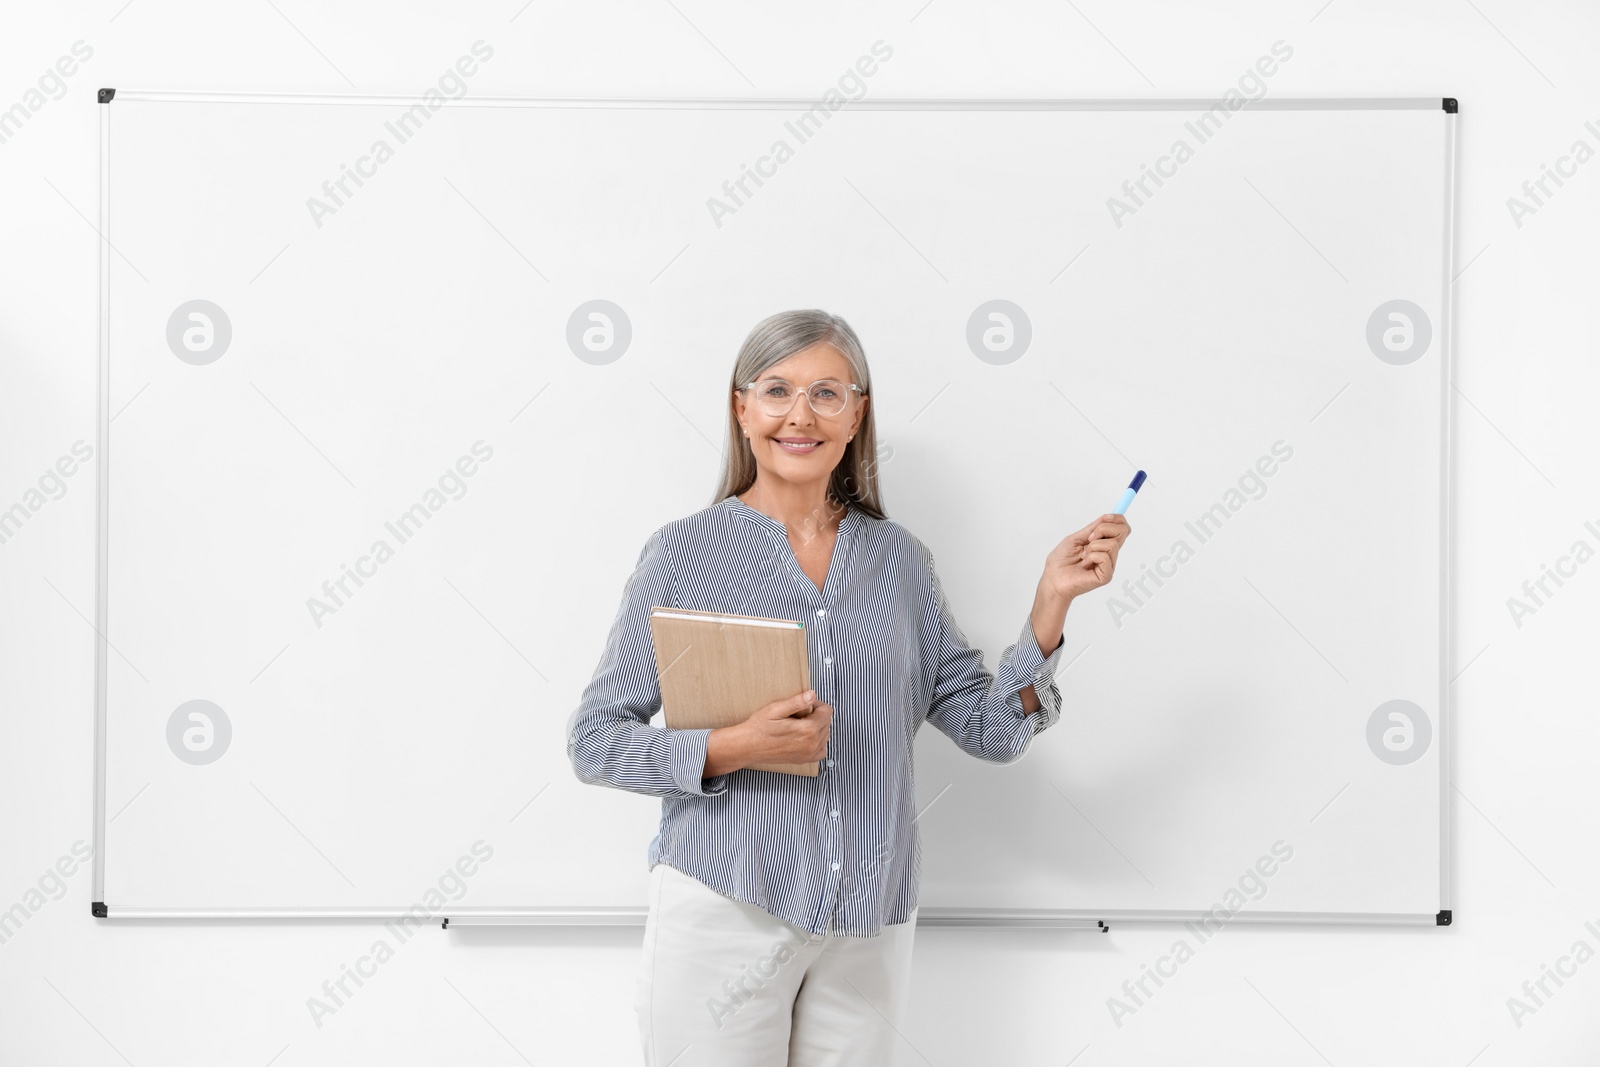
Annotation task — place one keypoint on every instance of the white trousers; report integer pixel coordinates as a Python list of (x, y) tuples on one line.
[(724, 984)]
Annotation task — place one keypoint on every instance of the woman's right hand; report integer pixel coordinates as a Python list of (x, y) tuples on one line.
[(792, 730)]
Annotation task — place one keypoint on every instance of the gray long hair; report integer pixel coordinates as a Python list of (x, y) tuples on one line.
[(774, 339)]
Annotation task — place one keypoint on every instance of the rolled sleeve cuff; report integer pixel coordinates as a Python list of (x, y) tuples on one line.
[(1039, 670), (689, 764)]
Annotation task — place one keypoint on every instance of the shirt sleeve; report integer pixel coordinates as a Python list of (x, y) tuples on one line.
[(609, 737), (983, 713)]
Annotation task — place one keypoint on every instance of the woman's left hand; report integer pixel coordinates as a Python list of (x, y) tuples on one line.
[(1085, 560)]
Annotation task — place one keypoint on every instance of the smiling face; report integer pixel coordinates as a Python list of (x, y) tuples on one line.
[(801, 447)]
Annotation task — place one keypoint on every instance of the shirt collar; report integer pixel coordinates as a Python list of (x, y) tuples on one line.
[(848, 524)]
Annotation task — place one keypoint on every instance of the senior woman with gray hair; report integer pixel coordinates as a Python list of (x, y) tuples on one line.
[(782, 907)]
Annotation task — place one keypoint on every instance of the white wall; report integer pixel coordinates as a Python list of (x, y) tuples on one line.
[(77, 990)]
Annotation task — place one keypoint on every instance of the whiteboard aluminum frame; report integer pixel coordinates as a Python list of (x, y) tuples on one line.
[(1354, 103), (102, 514), (1447, 642), (997, 918)]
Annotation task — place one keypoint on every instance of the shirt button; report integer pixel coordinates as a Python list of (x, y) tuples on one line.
[(834, 813), (822, 611), (830, 763), (836, 866), (827, 659)]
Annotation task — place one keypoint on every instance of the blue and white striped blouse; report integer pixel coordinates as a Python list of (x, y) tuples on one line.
[(838, 853)]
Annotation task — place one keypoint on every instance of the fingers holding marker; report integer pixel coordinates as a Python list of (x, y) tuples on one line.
[(1113, 528), (1110, 531)]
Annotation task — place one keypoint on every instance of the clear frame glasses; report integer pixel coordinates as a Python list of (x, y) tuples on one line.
[(826, 396)]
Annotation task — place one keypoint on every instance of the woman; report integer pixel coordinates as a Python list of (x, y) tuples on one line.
[(782, 907)]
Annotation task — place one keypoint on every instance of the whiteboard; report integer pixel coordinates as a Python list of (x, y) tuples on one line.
[(286, 386)]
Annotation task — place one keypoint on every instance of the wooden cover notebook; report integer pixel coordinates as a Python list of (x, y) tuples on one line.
[(717, 669)]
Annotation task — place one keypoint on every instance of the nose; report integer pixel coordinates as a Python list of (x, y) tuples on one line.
[(802, 411)]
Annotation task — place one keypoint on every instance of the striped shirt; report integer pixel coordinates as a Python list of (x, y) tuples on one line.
[(838, 853)]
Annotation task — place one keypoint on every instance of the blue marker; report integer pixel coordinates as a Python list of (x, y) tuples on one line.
[(1128, 494)]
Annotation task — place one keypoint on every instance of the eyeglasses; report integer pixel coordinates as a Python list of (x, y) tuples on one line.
[(827, 397)]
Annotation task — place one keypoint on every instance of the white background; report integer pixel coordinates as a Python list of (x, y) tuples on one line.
[(93, 992)]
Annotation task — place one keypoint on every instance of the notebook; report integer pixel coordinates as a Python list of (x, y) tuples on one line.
[(716, 669)]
